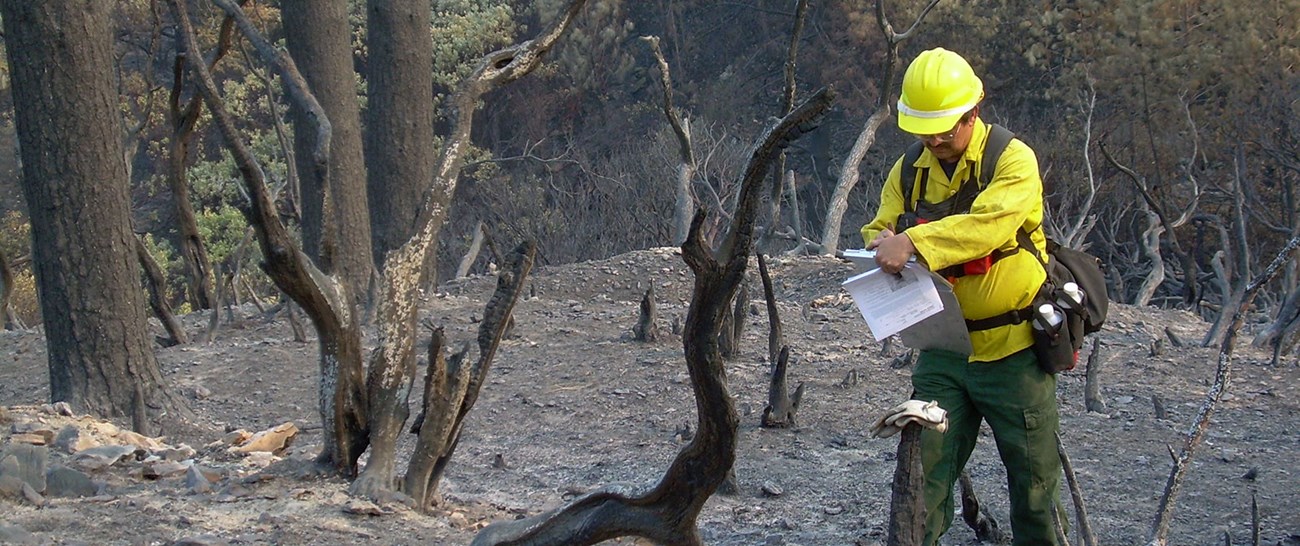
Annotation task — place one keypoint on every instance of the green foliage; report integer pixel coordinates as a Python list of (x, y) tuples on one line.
[(465, 30)]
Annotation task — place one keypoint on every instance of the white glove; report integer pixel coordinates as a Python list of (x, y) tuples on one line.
[(926, 414)]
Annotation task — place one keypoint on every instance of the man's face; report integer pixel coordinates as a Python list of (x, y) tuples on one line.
[(950, 146)]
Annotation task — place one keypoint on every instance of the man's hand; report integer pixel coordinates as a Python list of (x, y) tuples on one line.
[(882, 235), (892, 251)]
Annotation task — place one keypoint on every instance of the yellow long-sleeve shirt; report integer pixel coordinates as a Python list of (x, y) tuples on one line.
[(1012, 201)]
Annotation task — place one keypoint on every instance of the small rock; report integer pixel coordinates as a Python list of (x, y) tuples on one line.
[(11, 487), (1251, 474), (196, 481), (13, 534), (62, 408), (202, 540), (32, 495), (4, 416), (31, 438), (99, 458), (363, 508), (833, 510), (164, 469), (65, 482), (458, 520), (771, 489), (141, 441), (178, 453), (26, 462), (273, 440), (71, 440)]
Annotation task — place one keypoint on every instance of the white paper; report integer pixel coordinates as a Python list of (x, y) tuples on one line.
[(891, 303)]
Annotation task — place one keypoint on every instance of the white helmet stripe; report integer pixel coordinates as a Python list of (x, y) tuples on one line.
[(927, 114)]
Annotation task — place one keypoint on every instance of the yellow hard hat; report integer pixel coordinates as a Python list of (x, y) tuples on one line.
[(938, 87)]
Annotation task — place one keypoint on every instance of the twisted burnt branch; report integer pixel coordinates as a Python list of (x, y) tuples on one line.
[(667, 513)]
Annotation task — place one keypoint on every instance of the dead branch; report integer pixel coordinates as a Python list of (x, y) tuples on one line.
[(156, 284), (1076, 496), (975, 515), (471, 254), (1195, 433), (667, 513), (1092, 399), (849, 170), (684, 206), (775, 339)]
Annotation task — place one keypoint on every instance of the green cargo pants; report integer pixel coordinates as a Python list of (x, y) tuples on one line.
[(1019, 402)]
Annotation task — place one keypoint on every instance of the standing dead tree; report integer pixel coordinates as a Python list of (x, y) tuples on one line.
[(357, 414), (1183, 460), (1164, 221), (647, 325), (684, 204), (786, 184), (849, 170), (451, 390), (781, 406), (667, 512)]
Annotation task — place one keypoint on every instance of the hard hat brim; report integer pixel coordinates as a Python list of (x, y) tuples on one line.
[(920, 122)]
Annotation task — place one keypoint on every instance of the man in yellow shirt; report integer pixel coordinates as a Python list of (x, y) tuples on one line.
[(976, 237)]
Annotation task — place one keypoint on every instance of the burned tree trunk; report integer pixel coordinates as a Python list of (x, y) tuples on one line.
[(1092, 400), (647, 326), (781, 407), (406, 268), (323, 298), (667, 513), (733, 324), (907, 501), (451, 389)]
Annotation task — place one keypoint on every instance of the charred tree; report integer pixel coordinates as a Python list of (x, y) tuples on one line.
[(647, 324), (358, 414), (74, 178), (667, 512), (452, 388), (335, 221), (781, 407), (839, 203), (184, 119), (907, 502), (1092, 400)]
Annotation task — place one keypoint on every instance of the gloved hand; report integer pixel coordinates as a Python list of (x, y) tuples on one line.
[(926, 414)]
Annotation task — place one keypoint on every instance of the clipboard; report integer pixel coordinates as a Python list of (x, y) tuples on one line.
[(944, 330)]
